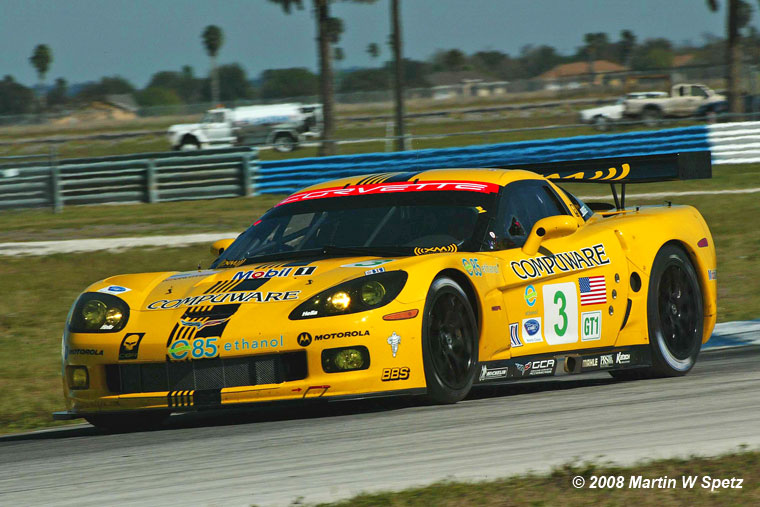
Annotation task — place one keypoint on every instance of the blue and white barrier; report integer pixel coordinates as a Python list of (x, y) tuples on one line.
[(730, 143)]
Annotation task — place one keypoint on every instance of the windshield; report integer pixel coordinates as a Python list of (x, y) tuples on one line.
[(390, 224), (215, 117)]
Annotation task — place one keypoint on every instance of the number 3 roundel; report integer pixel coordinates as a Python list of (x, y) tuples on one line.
[(560, 313)]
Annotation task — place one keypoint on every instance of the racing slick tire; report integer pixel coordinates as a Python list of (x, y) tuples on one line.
[(675, 315), (449, 342), (122, 423)]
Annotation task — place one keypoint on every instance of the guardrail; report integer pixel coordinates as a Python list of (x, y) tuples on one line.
[(146, 177), (289, 175), (156, 177)]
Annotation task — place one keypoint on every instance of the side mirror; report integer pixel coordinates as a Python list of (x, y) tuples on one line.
[(220, 245), (548, 228)]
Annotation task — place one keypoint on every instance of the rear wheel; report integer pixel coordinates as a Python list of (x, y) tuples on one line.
[(449, 342), (651, 116), (122, 423), (675, 314), (284, 143)]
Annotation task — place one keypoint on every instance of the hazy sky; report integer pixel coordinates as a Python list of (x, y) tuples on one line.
[(135, 38)]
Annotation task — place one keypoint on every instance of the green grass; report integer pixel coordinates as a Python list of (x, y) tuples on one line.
[(38, 293), (103, 221), (556, 488)]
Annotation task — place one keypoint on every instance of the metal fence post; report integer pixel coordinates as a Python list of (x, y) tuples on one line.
[(151, 185), (245, 174), (55, 184)]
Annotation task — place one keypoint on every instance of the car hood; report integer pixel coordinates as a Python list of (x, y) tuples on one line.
[(613, 111), (257, 284), (182, 127)]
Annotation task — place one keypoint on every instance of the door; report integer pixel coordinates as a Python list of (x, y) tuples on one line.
[(216, 128), (569, 295)]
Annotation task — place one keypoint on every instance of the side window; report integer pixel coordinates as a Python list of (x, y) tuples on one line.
[(523, 203), (581, 206)]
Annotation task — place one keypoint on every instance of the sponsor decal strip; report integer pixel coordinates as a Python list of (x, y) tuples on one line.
[(525, 367), (382, 188), (229, 297), (573, 260)]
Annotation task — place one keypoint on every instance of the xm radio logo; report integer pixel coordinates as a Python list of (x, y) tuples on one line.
[(435, 249)]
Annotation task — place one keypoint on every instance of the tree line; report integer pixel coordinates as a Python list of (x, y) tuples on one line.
[(229, 82)]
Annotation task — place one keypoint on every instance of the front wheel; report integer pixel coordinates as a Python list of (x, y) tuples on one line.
[(449, 342), (601, 123)]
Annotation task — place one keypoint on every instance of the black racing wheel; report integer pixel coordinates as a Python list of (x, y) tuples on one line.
[(449, 342), (676, 316)]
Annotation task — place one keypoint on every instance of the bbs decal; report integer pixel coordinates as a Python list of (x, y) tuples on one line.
[(400, 373)]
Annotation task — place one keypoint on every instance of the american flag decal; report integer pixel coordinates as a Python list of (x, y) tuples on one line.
[(593, 290)]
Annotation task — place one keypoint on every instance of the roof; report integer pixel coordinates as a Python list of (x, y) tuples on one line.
[(581, 68), (497, 176), (457, 77), (123, 101)]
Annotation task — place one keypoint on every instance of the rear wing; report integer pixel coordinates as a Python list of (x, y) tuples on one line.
[(687, 165)]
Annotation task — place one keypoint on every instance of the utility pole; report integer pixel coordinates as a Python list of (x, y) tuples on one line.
[(398, 81)]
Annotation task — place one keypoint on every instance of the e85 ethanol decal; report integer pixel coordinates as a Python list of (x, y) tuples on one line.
[(399, 373), (198, 348)]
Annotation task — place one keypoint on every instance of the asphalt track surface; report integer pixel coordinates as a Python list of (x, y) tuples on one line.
[(322, 453)]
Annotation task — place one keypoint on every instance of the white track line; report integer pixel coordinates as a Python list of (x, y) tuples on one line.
[(653, 195), (91, 245)]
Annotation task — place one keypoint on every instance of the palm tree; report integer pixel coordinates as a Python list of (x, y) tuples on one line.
[(738, 14), (627, 44), (594, 44), (213, 38), (373, 50), (398, 76), (326, 34), (41, 59)]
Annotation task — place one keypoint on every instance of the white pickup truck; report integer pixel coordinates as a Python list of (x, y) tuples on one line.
[(684, 100), (283, 126)]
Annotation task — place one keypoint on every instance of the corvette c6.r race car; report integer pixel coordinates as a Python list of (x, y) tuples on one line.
[(419, 283)]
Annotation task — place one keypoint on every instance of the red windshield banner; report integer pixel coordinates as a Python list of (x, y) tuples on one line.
[(384, 188)]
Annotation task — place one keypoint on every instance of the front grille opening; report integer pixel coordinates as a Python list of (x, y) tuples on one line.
[(206, 373)]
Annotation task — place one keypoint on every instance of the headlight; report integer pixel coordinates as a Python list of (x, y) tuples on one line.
[(358, 295), (96, 312)]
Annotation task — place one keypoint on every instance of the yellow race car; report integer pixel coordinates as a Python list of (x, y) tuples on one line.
[(414, 283)]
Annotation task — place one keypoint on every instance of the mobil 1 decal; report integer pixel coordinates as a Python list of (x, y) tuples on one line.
[(560, 313), (574, 260)]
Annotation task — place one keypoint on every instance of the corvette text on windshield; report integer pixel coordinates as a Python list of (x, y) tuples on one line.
[(426, 186)]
